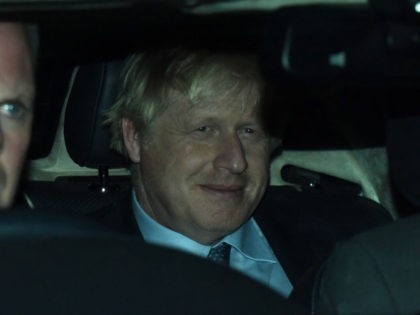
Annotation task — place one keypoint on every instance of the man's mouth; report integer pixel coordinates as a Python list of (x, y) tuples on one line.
[(223, 190)]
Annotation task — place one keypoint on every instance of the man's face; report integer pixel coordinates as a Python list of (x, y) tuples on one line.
[(16, 96), (204, 169)]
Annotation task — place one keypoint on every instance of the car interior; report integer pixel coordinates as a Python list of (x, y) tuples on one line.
[(347, 73)]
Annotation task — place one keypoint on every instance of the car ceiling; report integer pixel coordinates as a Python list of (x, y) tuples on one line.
[(78, 28), (197, 6), (75, 32)]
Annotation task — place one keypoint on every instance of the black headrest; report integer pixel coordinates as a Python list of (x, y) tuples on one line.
[(94, 90), (403, 147)]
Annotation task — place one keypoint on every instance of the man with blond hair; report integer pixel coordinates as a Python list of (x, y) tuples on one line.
[(190, 123)]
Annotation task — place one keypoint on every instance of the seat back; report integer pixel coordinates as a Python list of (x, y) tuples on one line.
[(312, 222), (403, 149), (94, 91), (83, 139)]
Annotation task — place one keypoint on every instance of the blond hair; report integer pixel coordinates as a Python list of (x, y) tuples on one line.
[(153, 81)]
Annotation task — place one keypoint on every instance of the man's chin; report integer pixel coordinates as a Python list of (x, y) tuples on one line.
[(6, 195), (5, 201), (225, 225), (5, 205), (6, 198)]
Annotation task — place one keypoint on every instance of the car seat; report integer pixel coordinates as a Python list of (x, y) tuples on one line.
[(66, 180), (93, 91), (404, 150), (332, 217)]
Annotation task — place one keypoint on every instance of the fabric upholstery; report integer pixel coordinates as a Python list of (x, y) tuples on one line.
[(376, 272), (94, 90), (403, 148)]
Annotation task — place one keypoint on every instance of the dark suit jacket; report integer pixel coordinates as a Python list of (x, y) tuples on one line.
[(377, 272), (301, 227)]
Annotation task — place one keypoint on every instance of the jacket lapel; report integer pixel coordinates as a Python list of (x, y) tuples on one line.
[(119, 215), (273, 233)]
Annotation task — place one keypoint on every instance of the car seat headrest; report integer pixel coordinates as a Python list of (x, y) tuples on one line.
[(94, 90)]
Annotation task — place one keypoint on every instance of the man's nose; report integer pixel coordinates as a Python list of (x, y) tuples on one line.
[(231, 155)]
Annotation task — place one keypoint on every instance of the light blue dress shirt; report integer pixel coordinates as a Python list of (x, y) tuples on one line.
[(250, 254)]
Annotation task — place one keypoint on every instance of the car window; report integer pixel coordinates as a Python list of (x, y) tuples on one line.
[(337, 74)]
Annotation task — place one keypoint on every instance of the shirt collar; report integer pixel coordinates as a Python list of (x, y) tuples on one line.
[(155, 233), (248, 239), (250, 242)]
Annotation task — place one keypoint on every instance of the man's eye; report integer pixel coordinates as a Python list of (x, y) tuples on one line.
[(204, 132), (203, 129), (250, 130), (12, 110), (253, 133)]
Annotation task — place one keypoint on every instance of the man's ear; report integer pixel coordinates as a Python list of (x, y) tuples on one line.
[(131, 140)]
